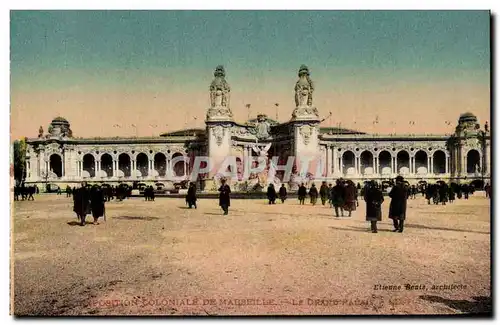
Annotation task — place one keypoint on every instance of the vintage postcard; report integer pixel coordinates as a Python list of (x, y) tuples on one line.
[(221, 163)]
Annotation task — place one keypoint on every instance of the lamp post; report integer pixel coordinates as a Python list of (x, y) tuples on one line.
[(248, 109)]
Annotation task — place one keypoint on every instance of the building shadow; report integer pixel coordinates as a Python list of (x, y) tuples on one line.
[(417, 226), (136, 218), (478, 305)]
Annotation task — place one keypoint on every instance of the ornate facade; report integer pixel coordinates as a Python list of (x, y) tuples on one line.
[(59, 157)]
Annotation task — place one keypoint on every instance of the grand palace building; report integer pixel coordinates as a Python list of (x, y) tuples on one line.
[(60, 158)]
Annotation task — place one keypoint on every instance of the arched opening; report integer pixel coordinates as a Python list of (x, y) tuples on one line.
[(348, 163), (179, 166), (366, 161), (439, 162), (384, 161), (107, 164), (56, 164), (124, 164), (403, 162), (142, 164), (89, 164), (160, 164), (421, 163), (473, 162)]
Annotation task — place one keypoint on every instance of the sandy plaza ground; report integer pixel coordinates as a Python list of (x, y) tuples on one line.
[(162, 258)]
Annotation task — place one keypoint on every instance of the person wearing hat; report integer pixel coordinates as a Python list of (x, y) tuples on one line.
[(324, 193), (271, 194), (397, 208), (283, 193), (338, 197), (302, 193), (373, 197), (350, 197), (224, 198)]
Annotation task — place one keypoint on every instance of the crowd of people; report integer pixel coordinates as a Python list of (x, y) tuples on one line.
[(110, 192), (25, 192), (89, 199), (343, 197)]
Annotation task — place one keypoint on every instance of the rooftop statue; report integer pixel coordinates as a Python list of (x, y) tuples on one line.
[(219, 89), (304, 88)]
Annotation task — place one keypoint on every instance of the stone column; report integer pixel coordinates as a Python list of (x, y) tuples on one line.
[(63, 170), (487, 159), (327, 160), (428, 165), (374, 164), (395, 165), (334, 161), (431, 161), (170, 172), (447, 166)]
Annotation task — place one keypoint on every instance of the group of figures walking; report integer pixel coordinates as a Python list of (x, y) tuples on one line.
[(25, 192), (89, 200), (120, 192), (342, 196), (442, 192)]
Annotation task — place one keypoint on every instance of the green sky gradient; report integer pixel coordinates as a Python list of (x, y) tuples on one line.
[(95, 49)]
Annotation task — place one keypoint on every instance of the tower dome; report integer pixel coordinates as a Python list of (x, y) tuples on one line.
[(467, 117), (60, 127)]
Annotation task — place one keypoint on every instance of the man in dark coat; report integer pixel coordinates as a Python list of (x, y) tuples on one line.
[(302, 193), (97, 203), (151, 193), (487, 190), (68, 191), (271, 194), (224, 198), (81, 203), (338, 197), (451, 194), (459, 191), (397, 208), (465, 190), (191, 196), (313, 194), (330, 187), (324, 193), (428, 193), (283, 193), (443, 194), (350, 197), (373, 198)]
